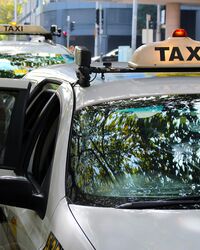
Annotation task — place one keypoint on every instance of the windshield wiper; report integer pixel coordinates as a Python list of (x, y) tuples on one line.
[(182, 201)]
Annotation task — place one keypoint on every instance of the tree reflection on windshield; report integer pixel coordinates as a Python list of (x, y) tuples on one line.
[(145, 148), (17, 65)]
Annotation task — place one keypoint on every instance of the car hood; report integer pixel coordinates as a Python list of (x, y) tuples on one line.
[(109, 228)]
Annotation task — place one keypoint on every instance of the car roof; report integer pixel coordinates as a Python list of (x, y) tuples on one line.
[(31, 47), (136, 88), (117, 86)]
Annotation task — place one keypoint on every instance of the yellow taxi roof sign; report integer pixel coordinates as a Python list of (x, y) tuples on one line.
[(22, 29), (177, 51)]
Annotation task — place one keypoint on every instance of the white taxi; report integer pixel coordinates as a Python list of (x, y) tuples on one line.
[(100, 158), (32, 48)]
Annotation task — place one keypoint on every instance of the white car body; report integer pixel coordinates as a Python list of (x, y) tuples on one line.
[(52, 217), (11, 47), (87, 227)]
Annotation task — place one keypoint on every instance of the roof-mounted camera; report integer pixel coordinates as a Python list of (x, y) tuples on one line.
[(83, 60)]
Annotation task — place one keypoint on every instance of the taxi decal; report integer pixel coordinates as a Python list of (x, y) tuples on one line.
[(52, 243), (11, 28), (176, 53), (22, 29)]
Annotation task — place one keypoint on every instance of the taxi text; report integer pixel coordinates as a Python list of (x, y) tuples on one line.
[(14, 28), (176, 54)]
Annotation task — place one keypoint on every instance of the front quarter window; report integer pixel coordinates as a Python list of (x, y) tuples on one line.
[(7, 101), (142, 149)]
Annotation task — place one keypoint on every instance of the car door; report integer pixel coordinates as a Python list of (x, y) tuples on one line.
[(26, 229), (13, 99)]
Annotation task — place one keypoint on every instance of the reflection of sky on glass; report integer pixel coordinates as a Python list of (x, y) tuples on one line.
[(6, 65)]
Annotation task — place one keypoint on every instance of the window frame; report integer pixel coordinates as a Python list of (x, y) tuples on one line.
[(36, 131)]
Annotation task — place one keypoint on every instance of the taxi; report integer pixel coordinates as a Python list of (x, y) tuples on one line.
[(28, 47), (98, 157)]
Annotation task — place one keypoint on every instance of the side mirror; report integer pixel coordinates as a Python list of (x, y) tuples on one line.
[(19, 192)]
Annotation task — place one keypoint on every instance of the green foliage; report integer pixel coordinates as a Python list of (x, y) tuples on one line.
[(7, 11), (3, 37), (7, 74)]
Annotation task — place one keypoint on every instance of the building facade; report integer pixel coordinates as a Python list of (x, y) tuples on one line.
[(116, 21), (116, 25)]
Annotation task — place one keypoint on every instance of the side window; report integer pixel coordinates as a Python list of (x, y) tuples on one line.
[(45, 145), (41, 126), (12, 110), (7, 100)]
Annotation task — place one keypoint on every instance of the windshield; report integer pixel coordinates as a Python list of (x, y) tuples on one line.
[(136, 149), (17, 65)]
